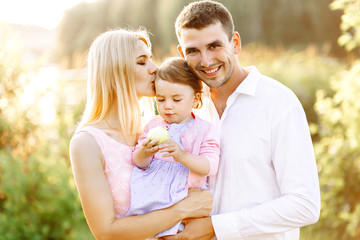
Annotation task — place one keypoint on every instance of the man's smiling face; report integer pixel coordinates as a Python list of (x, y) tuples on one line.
[(209, 53)]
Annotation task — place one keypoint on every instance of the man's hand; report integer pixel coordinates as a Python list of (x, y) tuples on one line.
[(196, 229)]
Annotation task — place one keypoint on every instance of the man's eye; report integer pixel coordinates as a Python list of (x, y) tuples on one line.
[(191, 51), (141, 63)]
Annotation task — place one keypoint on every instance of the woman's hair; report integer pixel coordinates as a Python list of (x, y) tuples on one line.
[(201, 14), (111, 78), (176, 70)]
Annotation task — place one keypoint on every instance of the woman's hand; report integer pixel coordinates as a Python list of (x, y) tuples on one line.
[(197, 204)]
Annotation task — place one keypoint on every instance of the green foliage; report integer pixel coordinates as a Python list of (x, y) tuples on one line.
[(337, 150), (82, 23), (338, 155), (10, 70), (350, 22), (276, 22), (10, 73), (38, 200)]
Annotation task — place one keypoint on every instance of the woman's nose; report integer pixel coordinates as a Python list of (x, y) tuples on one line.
[(153, 68)]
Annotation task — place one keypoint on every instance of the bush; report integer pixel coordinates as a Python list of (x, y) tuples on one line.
[(38, 199), (338, 156)]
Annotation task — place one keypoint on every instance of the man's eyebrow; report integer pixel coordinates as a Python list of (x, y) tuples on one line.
[(216, 42)]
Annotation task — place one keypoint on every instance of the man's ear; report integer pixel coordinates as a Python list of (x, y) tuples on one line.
[(237, 42), (179, 48)]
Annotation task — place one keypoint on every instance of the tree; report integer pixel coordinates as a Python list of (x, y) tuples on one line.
[(38, 199), (337, 151), (16, 127), (350, 22), (338, 155), (273, 22)]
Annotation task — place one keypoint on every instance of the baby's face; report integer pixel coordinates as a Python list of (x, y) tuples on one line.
[(175, 101)]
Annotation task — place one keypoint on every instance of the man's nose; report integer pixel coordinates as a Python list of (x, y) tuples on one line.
[(205, 59)]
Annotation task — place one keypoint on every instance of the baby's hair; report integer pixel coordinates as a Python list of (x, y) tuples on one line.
[(176, 70)]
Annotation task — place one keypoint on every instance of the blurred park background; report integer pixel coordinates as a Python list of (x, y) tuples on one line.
[(313, 47)]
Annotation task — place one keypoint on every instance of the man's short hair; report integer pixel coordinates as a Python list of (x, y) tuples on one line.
[(201, 14)]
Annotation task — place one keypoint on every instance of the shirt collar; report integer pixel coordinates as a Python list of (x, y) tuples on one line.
[(249, 84)]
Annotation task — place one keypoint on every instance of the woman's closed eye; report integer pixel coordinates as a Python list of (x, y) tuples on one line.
[(143, 60)]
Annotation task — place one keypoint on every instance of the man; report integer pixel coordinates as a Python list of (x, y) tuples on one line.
[(267, 186)]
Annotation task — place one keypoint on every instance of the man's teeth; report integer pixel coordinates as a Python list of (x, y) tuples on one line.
[(211, 71)]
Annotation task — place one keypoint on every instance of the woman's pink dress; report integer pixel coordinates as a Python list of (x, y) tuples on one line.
[(117, 167)]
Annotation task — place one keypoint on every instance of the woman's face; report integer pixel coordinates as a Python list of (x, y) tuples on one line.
[(145, 71)]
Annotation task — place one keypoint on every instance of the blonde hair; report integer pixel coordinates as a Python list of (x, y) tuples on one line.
[(111, 78)]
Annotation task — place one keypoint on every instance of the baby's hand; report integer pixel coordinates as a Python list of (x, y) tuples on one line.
[(149, 147), (173, 150)]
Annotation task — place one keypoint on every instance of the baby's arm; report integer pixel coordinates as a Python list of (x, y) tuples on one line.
[(196, 163), (146, 150)]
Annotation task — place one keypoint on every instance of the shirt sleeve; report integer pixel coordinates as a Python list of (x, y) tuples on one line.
[(296, 172)]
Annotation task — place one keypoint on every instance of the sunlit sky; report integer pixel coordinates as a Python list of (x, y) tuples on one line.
[(44, 13)]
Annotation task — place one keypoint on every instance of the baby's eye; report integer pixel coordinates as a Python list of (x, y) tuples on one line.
[(141, 63), (177, 100), (160, 99)]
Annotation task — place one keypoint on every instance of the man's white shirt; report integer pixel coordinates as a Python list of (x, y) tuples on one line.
[(267, 185)]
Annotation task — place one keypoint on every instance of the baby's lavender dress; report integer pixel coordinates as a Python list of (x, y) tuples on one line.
[(162, 184)]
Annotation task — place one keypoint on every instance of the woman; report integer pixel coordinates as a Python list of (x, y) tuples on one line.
[(120, 72)]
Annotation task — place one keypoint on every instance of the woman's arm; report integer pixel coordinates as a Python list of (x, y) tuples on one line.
[(98, 206)]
